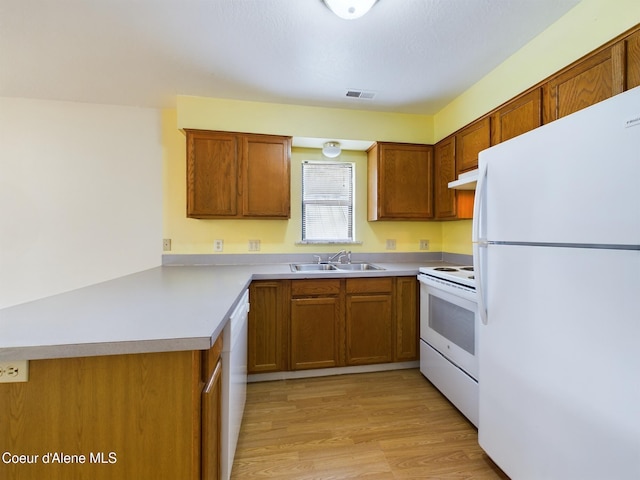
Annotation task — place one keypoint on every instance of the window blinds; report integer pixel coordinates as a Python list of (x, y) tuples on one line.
[(327, 202)]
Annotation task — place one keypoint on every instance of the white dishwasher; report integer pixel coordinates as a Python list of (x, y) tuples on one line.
[(234, 381)]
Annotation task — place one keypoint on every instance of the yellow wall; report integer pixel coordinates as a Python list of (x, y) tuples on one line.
[(584, 28), (300, 121), (276, 236), (587, 26)]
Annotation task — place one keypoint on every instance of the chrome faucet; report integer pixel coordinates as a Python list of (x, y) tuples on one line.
[(339, 255)]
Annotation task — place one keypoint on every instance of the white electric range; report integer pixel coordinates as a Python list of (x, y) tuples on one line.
[(449, 326)]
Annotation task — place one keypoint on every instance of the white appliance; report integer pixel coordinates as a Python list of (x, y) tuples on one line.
[(557, 255), (449, 324), (234, 382)]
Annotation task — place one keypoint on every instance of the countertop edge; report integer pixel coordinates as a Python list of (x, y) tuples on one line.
[(232, 281)]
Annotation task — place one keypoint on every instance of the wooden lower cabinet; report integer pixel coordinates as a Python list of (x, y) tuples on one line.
[(268, 328), (143, 416), (316, 324), (332, 322), (369, 320), (211, 421), (407, 306)]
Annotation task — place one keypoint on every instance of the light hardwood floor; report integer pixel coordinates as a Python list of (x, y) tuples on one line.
[(383, 425)]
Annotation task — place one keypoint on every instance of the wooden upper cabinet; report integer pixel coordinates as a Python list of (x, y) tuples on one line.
[(400, 181), (212, 174), (266, 176), (520, 115), (470, 141), (585, 83), (235, 175), (632, 60), (449, 204), (445, 171)]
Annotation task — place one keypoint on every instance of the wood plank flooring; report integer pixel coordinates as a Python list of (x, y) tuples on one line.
[(382, 425)]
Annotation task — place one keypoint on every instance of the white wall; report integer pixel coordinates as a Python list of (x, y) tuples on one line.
[(80, 195)]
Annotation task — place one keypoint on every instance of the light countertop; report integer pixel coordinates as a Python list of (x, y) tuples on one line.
[(167, 308)]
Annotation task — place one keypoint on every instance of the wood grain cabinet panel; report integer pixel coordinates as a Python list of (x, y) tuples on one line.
[(632, 60), (369, 321), (212, 174), (589, 81), (316, 325), (445, 171), (212, 424), (470, 141), (268, 328), (449, 204), (266, 176), (520, 115), (139, 414), (407, 319), (400, 178), (237, 175)]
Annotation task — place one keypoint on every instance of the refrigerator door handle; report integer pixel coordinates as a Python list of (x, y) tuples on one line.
[(479, 242), (478, 206), (479, 253)]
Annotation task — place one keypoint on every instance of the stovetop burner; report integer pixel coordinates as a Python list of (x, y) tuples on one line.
[(462, 275)]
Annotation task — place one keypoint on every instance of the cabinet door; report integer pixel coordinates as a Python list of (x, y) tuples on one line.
[(137, 416), (400, 182), (445, 172), (470, 141), (315, 332), (212, 174), (369, 329), (267, 327), (266, 176), (406, 348), (211, 425), (520, 115), (632, 60), (591, 80)]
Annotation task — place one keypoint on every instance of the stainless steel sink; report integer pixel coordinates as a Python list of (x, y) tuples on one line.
[(358, 266), (332, 267), (312, 267)]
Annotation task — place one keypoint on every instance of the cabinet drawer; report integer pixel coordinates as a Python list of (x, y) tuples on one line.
[(315, 287), (369, 285)]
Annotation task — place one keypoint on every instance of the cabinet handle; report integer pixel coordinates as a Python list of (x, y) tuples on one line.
[(214, 377)]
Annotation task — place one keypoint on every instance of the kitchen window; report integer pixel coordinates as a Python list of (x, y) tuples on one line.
[(328, 202)]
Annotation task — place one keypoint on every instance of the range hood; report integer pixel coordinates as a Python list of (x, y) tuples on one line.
[(466, 181)]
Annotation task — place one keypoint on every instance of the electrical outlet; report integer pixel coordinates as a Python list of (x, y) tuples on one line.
[(166, 245), (218, 245), (424, 244), (391, 244), (254, 245), (16, 371)]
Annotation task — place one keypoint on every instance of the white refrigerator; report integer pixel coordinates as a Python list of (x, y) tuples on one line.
[(556, 237)]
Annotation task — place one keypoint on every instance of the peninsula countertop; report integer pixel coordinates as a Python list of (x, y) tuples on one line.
[(167, 308)]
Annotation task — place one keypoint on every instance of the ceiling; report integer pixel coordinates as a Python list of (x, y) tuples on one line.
[(413, 56)]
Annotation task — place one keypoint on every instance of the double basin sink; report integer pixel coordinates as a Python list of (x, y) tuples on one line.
[(333, 267)]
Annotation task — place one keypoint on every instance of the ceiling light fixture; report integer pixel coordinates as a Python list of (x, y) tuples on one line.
[(350, 9), (331, 149)]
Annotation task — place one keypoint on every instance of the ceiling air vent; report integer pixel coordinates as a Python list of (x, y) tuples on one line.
[(360, 94)]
